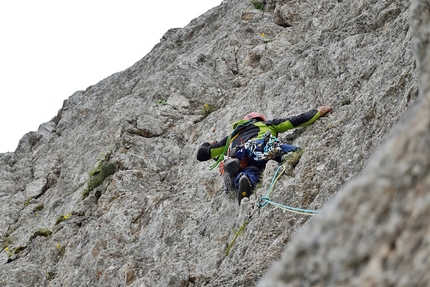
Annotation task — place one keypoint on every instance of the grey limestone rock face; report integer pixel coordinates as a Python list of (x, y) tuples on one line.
[(109, 192), (375, 232)]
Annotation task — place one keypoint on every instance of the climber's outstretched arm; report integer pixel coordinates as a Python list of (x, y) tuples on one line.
[(212, 149), (304, 119)]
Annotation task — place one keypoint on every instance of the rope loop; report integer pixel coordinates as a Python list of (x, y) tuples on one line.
[(263, 202)]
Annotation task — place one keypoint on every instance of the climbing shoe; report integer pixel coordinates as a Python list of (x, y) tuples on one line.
[(232, 166), (245, 188), (229, 172)]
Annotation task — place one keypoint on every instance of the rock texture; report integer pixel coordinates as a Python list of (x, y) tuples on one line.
[(375, 232), (108, 193)]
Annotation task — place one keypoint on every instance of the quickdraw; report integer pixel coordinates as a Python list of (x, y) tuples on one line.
[(265, 149)]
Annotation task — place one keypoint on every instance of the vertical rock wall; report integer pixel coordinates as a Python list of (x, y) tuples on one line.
[(375, 232), (109, 193)]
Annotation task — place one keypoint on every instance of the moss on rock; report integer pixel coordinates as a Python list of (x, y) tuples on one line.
[(6, 241), (97, 179), (62, 218), (41, 232), (39, 207)]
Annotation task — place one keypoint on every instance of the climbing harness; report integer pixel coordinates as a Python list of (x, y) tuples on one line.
[(227, 143), (265, 200), (264, 149)]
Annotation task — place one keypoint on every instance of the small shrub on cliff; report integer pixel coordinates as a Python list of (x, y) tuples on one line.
[(207, 110), (39, 207), (85, 193), (19, 249), (41, 232), (258, 4), (293, 158), (160, 102), (11, 252), (5, 243), (345, 102), (103, 169), (265, 38), (61, 249), (62, 218), (27, 202)]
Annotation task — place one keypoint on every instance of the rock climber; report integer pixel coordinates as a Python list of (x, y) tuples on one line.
[(243, 155)]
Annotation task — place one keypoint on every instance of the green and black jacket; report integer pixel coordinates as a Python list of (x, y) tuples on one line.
[(256, 130)]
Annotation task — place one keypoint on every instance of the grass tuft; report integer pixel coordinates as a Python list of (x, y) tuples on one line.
[(258, 4)]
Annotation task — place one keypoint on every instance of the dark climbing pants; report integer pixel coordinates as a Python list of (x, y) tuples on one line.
[(253, 173)]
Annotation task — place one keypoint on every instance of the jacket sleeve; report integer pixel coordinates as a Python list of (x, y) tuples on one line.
[(304, 119), (207, 151)]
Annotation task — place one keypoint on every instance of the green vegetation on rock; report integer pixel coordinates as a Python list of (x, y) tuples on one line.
[(41, 232), (62, 218), (258, 4), (103, 169)]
